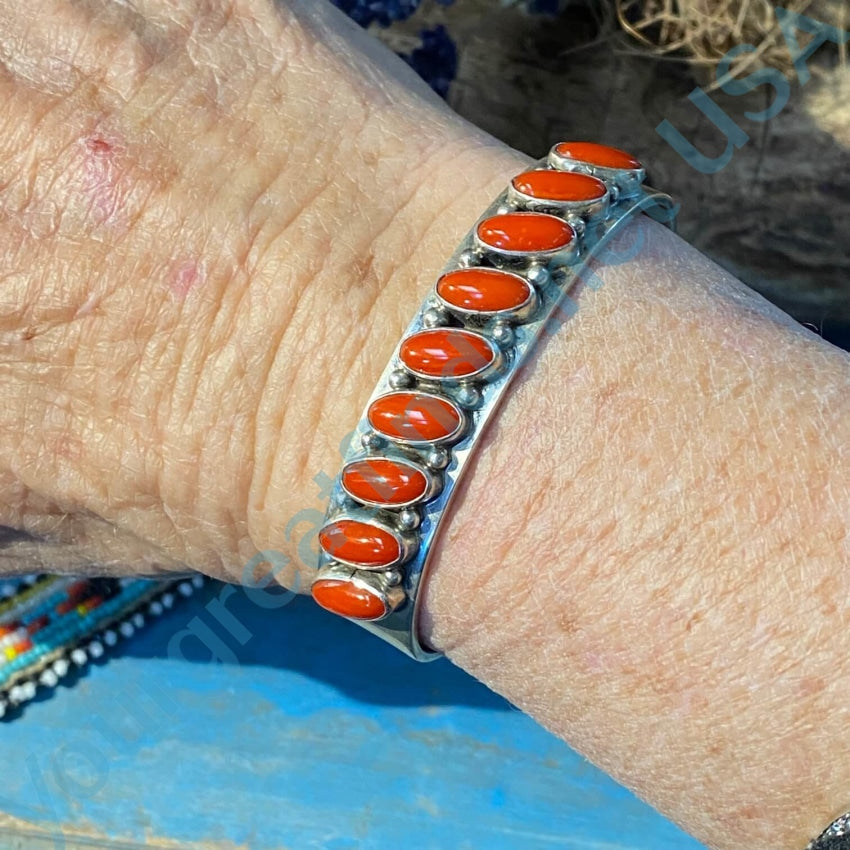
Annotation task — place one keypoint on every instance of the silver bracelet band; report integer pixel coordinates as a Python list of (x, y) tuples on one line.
[(510, 275), (835, 837)]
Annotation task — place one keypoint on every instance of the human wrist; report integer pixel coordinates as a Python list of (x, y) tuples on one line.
[(632, 555), (425, 211), (200, 314)]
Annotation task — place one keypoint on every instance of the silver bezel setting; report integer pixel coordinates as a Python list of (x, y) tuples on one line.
[(561, 256), (432, 482), (549, 277), (514, 314), (407, 543), (494, 365), (378, 584), (570, 210), (427, 391), (628, 181)]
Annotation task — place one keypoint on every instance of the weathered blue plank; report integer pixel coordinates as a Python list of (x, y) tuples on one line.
[(312, 735)]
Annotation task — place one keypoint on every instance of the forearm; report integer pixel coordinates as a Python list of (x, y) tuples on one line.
[(649, 552)]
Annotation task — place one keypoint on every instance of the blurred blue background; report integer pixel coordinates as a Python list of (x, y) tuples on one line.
[(313, 734)]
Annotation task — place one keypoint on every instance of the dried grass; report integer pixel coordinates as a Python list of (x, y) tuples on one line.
[(701, 32)]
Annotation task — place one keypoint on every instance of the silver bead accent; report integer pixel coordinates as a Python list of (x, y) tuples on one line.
[(393, 577), (409, 519), (438, 458), (503, 334), (433, 318), (370, 440), (538, 275), (577, 223), (502, 209), (399, 379), (469, 396), (467, 258)]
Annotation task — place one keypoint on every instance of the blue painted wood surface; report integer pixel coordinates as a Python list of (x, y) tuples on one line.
[(311, 734)]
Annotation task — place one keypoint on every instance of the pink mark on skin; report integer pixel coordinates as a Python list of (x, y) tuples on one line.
[(595, 662), (100, 180), (185, 275), (68, 447)]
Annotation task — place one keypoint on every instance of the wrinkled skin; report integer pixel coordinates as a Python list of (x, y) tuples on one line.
[(200, 205)]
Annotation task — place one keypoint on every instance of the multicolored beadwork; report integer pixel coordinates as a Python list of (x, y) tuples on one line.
[(51, 624)]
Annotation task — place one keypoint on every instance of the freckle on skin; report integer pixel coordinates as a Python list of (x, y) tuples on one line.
[(812, 685), (185, 275)]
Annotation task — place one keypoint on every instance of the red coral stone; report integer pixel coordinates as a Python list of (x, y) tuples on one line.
[(348, 600), (594, 154), (483, 290), (553, 185), (525, 231), (414, 417), (381, 481), (361, 543), (446, 353)]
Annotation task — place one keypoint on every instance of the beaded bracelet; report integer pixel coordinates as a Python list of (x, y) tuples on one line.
[(451, 369), (51, 625)]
